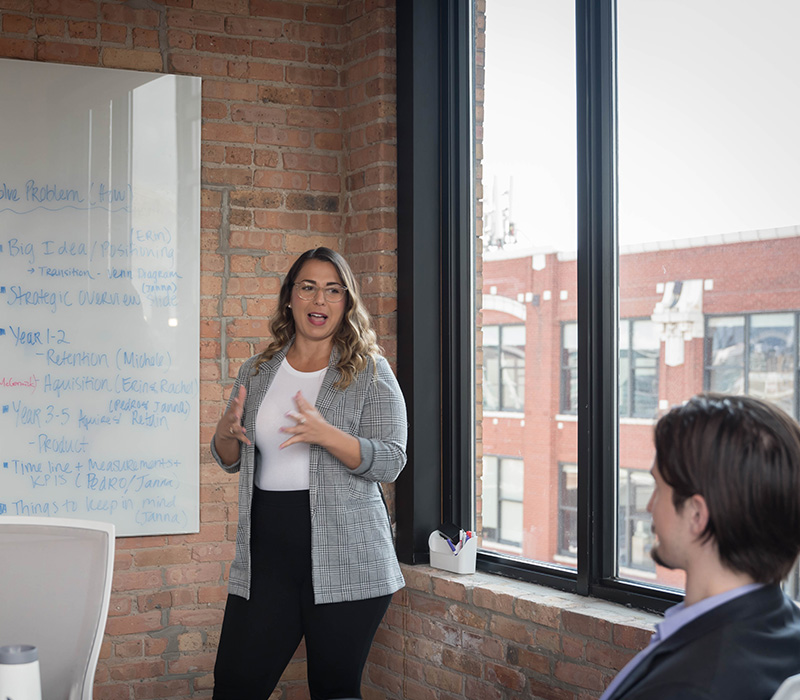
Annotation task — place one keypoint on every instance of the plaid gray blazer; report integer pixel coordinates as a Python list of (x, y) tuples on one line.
[(352, 550)]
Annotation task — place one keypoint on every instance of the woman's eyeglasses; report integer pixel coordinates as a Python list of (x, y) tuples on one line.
[(308, 292)]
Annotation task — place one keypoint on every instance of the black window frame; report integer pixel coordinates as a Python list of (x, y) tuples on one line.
[(436, 262)]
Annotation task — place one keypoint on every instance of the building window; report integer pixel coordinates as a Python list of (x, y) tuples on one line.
[(639, 346), (568, 510), (502, 500), (569, 368), (754, 354), (634, 532), (504, 368)]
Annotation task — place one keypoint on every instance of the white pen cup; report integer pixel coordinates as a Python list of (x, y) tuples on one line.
[(19, 673)]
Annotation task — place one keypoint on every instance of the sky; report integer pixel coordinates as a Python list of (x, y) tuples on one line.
[(707, 111)]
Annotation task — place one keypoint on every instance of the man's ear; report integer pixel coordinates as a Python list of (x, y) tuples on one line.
[(698, 514)]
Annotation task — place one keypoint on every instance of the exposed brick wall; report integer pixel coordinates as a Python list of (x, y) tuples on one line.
[(298, 150), (480, 637)]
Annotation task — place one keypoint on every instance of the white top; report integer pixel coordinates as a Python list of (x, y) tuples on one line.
[(283, 469)]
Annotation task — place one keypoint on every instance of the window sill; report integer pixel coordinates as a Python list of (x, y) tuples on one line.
[(551, 642)]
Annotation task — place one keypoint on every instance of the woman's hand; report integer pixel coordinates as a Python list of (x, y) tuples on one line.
[(230, 431), (311, 427)]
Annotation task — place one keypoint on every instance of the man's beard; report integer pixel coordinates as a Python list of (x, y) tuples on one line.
[(656, 557)]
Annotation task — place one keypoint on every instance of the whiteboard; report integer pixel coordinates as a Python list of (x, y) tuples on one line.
[(99, 296)]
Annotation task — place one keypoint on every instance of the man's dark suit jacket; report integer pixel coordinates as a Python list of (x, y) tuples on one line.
[(741, 650)]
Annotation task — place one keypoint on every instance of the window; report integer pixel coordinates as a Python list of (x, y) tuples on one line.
[(568, 510), (502, 500), (634, 532), (504, 368), (753, 354), (625, 246), (638, 368), (569, 368)]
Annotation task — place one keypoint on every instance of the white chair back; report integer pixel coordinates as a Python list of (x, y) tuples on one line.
[(55, 584), (789, 689)]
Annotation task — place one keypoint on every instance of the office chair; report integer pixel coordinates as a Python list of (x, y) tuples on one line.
[(55, 580), (789, 689)]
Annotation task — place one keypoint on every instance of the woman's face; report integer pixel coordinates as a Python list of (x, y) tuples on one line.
[(317, 317)]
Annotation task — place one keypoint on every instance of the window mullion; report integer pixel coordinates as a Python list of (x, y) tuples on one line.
[(597, 291)]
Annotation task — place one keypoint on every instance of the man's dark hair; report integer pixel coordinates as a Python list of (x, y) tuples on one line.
[(742, 455)]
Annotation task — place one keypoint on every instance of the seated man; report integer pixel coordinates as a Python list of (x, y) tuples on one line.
[(726, 510)]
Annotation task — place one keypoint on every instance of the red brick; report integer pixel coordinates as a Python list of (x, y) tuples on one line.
[(280, 180), (161, 557), (149, 690), (187, 663), (279, 51), (191, 573), (274, 8), (120, 14), (196, 618), (631, 637), (113, 33), (444, 679), (547, 691), (137, 671), (17, 24), (325, 183), (328, 141), (258, 113), (245, 26), (310, 163), (228, 7), (311, 33), (196, 65), (314, 118), (58, 52), (134, 624), (511, 629), (147, 38), (266, 158), (607, 656), (86, 9), (579, 675), (17, 48), (480, 690), (326, 55), (251, 70), (325, 15), (195, 20), (463, 663), (280, 220), (227, 90), (221, 44), (586, 625)]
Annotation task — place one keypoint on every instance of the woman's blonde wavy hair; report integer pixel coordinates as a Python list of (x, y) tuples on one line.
[(355, 337)]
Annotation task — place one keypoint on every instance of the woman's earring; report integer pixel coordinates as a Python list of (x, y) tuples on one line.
[(288, 306)]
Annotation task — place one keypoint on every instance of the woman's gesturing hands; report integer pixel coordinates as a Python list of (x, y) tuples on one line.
[(309, 426), (230, 431)]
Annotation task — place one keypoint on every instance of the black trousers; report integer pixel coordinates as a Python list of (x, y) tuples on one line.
[(260, 635)]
